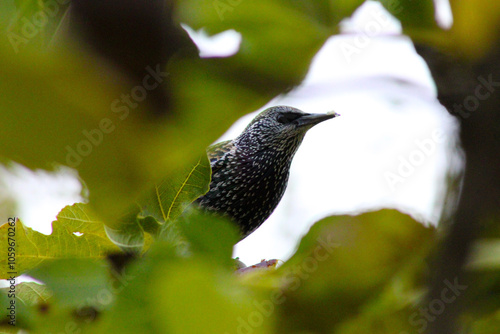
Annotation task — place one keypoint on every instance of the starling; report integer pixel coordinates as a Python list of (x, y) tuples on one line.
[(250, 173)]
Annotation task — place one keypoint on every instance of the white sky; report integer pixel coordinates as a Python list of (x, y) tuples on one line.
[(384, 92)]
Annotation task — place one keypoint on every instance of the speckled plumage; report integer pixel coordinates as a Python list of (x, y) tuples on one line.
[(250, 173)]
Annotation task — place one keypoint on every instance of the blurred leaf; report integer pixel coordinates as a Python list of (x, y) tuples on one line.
[(484, 325), (346, 262), (414, 15), (485, 255), (71, 122), (33, 248), (31, 293), (81, 292), (76, 282), (482, 278), (18, 308), (35, 23), (150, 225), (210, 236), (169, 294), (127, 233), (476, 27), (319, 11), (279, 40), (343, 8), (230, 308), (131, 313)]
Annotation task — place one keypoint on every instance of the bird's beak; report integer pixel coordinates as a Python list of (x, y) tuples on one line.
[(311, 120)]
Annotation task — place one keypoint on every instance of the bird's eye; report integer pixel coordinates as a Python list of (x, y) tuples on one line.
[(287, 118)]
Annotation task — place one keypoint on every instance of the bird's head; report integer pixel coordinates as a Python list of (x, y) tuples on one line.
[(279, 125)]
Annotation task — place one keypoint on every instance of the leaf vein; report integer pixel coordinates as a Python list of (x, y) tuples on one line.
[(180, 189)]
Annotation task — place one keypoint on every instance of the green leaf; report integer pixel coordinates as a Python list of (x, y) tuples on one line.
[(485, 254), (33, 248), (82, 292), (161, 207), (27, 295), (31, 293), (36, 23), (173, 295), (345, 266), (67, 121), (279, 40), (171, 196), (76, 282), (474, 32), (476, 27), (127, 233), (230, 309), (210, 236), (413, 15)]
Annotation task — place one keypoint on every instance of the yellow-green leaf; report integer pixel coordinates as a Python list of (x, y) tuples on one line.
[(31, 293), (161, 206), (171, 196), (76, 233), (346, 262)]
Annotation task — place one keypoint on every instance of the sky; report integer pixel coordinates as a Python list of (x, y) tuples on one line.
[(390, 148)]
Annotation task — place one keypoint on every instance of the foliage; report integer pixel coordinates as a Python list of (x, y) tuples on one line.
[(350, 274), (34, 248)]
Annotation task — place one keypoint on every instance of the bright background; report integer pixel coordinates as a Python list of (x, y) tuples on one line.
[(391, 126)]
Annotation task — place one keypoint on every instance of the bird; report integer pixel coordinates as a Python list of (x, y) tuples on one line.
[(250, 173)]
